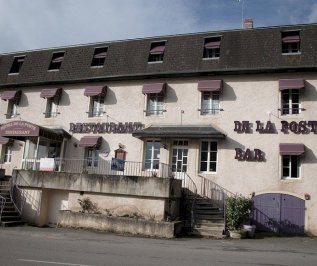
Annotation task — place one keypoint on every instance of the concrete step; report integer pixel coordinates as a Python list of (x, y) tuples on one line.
[(209, 216), (12, 223), (206, 207), (213, 220), (10, 218), (211, 212), (215, 233), (209, 225)]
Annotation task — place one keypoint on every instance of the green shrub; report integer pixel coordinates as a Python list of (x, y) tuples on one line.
[(87, 205), (238, 210)]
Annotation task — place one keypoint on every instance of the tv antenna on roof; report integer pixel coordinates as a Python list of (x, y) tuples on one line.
[(242, 12)]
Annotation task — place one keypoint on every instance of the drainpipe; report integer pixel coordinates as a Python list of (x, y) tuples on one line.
[(61, 156)]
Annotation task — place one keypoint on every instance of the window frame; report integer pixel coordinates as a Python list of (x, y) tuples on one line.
[(211, 53), (16, 65), (156, 58), (7, 154), (96, 106), (55, 66), (155, 104), (290, 167), (52, 105), (208, 161), (212, 102), (287, 48), (12, 110), (92, 157), (287, 108), (151, 159), (99, 62)]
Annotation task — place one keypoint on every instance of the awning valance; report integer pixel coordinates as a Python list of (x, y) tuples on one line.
[(158, 49), (185, 131), (100, 55), (291, 39), (51, 93), (58, 59), (292, 149), (90, 141), (210, 85), (95, 91), (212, 45), (11, 95), (154, 88), (285, 84)]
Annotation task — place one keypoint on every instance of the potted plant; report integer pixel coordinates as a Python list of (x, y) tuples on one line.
[(238, 210)]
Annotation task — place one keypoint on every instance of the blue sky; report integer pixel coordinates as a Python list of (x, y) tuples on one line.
[(36, 24)]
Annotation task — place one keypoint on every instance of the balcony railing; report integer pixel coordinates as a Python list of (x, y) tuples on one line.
[(100, 166)]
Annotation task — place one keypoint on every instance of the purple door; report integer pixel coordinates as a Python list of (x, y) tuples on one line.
[(279, 213)]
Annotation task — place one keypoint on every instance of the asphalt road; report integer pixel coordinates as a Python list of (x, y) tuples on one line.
[(50, 246)]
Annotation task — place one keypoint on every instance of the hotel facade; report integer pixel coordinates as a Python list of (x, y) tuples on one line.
[(237, 108)]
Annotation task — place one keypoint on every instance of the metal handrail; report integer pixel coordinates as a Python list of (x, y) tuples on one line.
[(2, 204), (190, 192), (16, 195), (101, 166)]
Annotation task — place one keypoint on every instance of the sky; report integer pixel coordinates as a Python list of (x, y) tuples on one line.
[(38, 24)]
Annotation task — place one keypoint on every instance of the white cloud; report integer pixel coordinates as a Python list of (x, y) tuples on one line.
[(312, 18)]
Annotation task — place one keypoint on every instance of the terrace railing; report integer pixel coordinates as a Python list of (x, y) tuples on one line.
[(16, 195), (100, 166), (2, 204)]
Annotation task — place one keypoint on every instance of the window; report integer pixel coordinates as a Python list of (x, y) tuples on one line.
[(152, 154), (291, 101), (99, 57), (12, 109), (7, 153), (212, 47), (17, 64), (208, 156), (210, 102), (97, 106), (57, 60), (51, 107), (92, 157), (290, 42), (155, 104), (290, 166), (157, 52)]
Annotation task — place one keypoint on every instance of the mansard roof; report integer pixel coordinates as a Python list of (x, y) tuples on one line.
[(255, 50)]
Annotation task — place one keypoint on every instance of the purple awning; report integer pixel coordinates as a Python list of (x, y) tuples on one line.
[(292, 149), (11, 95), (90, 141), (100, 55), (285, 84), (4, 140), (95, 91), (58, 59), (158, 49), (290, 39), (210, 85), (154, 88), (20, 59), (51, 93), (212, 45)]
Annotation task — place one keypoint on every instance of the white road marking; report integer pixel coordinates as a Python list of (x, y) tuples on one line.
[(53, 262)]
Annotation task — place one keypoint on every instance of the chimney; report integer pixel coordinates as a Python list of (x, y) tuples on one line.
[(248, 23)]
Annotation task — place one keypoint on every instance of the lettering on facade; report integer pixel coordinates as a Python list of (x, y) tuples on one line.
[(302, 127), (127, 127), (19, 128), (252, 156)]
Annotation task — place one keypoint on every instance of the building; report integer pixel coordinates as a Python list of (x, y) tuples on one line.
[(236, 108)]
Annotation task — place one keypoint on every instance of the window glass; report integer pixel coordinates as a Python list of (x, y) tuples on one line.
[(210, 103), (208, 156), (152, 154), (291, 101), (155, 104), (290, 166), (97, 106)]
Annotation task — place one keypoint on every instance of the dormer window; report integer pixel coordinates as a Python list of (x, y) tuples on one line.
[(212, 47), (99, 57), (157, 52), (57, 60), (290, 42), (17, 64)]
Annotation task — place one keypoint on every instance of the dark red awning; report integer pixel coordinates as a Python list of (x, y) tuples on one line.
[(285, 84), (11, 95), (210, 85), (4, 140), (51, 93), (158, 49), (95, 91), (100, 55), (292, 149), (90, 141), (154, 88), (212, 45), (291, 39)]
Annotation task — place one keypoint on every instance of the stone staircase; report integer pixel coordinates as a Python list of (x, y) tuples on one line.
[(10, 216), (209, 219)]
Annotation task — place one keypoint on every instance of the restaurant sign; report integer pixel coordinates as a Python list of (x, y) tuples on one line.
[(19, 128), (126, 127)]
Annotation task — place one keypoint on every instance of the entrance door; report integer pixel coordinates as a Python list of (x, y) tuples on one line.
[(279, 213), (179, 157)]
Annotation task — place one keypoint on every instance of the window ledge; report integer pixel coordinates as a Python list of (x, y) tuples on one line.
[(155, 62), (13, 74), (210, 58), (298, 53), (97, 66), (52, 70)]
